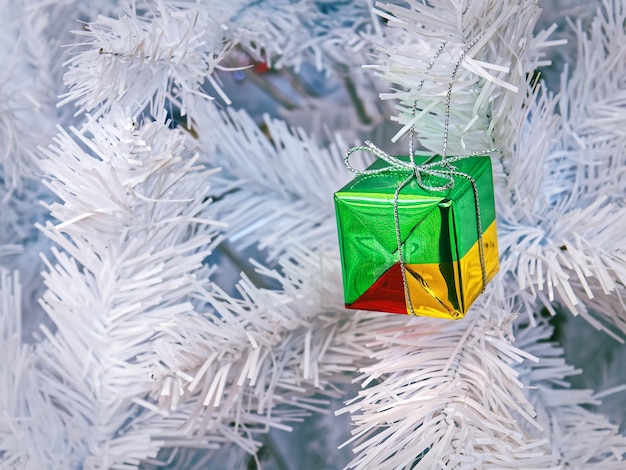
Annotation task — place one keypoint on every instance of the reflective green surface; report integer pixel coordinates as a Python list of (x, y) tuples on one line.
[(435, 227)]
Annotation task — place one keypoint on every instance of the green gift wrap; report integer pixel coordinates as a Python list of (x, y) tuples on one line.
[(444, 269)]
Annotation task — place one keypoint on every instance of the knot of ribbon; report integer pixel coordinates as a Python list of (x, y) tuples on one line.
[(442, 170)]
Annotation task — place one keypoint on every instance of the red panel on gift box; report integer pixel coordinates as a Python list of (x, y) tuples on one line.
[(385, 295)]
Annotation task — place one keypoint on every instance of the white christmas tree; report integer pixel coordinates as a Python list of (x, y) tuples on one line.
[(145, 336)]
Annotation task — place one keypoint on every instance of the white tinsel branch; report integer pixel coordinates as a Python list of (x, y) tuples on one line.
[(561, 238), (132, 237), (278, 183), (303, 32), (579, 437), (13, 367), (252, 364), (167, 52), (28, 86), (470, 394), (445, 394), (492, 42), (146, 58)]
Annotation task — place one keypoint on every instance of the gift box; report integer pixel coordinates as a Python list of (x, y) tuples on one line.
[(444, 270)]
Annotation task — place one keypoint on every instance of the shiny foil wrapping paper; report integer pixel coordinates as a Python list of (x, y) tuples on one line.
[(439, 241)]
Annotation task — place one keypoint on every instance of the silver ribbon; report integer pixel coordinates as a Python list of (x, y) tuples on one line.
[(442, 170)]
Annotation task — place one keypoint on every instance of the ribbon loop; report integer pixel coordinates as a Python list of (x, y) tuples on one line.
[(441, 170), (394, 162)]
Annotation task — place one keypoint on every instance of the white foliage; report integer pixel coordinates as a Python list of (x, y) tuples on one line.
[(492, 42), (560, 226), (447, 395), (252, 364), (145, 58), (20, 243), (13, 368), (592, 107), (131, 227), (580, 437), (27, 85), (165, 52), (32, 33), (298, 32), (278, 183), (474, 394), (26, 416)]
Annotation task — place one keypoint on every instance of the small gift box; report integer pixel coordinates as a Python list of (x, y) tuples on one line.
[(420, 237)]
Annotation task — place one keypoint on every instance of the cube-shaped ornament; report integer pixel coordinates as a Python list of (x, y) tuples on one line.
[(444, 264)]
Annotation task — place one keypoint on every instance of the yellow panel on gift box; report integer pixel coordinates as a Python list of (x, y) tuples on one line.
[(448, 289), (471, 275), (433, 290)]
